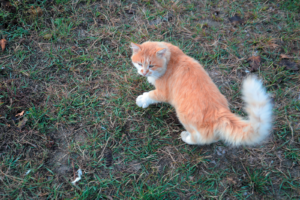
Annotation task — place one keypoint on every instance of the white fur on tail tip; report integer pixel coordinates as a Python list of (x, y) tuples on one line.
[(259, 109)]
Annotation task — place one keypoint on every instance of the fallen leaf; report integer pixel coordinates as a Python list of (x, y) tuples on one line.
[(231, 180), (22, 123), (20, 114), (109, 197), (289, 65), (236, 19), (272, 44), (254, 63), (3, 42), (282, 56), (25, 73), (36, 11), (47, 36)]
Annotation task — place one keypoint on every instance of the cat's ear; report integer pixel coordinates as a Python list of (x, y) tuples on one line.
[(161, 53), (135, 47)]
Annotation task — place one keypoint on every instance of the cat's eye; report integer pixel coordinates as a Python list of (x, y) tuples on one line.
[(150, 66), (140, 64)]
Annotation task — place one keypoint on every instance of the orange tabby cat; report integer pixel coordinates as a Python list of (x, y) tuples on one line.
[(182, 82)]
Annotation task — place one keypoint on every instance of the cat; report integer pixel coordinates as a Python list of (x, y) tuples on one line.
[(201, 108)]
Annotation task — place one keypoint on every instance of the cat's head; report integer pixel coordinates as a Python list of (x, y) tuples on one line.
[(150, 58)]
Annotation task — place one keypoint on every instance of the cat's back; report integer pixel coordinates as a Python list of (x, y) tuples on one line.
[(192, 84), (187, 66)]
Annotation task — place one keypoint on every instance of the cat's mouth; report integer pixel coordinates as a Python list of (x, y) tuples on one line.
[(145, 75)]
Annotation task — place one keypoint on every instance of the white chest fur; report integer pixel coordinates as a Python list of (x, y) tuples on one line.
[(151, 80)]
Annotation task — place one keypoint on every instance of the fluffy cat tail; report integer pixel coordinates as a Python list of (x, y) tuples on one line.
[(259, 109)]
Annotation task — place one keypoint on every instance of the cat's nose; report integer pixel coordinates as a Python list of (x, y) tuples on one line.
[(144, 72)]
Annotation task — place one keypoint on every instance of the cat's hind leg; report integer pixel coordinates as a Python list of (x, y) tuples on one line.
[(188, 137), (193, 136)]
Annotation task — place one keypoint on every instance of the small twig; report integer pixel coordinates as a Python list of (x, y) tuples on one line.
[(99, 38), (73, 169), (223, 193), (30, 144), (101, 155), (168, 153), (12, 177), (292, 130), (246, 170)]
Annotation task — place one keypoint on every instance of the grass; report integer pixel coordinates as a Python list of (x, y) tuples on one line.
[(68, 68)]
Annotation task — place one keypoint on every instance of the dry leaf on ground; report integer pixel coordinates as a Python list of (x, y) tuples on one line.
[(282, 56), (3, 43), (20, 114), (22, 123), (47, 36), (272, 44), (254, 63), (36, 11)]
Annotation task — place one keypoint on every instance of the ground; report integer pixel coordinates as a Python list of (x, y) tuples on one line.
[(66, 64)]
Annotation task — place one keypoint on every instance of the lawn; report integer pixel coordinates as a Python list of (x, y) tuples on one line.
[(68, 90)]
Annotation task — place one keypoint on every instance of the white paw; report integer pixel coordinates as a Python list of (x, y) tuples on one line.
[(186, 137), (143, 100)]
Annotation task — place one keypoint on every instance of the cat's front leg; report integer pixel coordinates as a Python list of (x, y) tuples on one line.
[(145, 100)]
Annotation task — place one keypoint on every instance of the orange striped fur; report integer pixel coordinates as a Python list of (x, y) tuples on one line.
[(182, 82)]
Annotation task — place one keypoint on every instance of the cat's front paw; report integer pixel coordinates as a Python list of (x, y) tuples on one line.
[(143, 100)]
